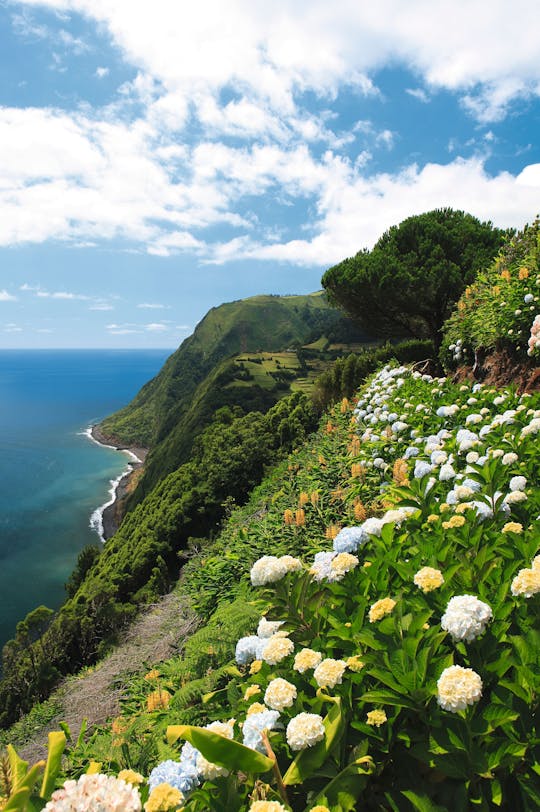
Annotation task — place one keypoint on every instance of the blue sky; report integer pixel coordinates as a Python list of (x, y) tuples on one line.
[(157, 159)]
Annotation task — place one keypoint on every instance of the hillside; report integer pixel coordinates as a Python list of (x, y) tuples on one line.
[(353, 550), (202, 375)]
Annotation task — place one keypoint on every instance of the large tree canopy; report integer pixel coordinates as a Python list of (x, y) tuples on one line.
[(415, 273)]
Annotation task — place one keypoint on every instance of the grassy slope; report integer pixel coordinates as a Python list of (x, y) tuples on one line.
[(200, 377)]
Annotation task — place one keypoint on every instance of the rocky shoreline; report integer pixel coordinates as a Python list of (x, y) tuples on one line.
[(113, 513)]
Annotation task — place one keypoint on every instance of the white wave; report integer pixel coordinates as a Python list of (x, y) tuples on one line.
[(96, 519)]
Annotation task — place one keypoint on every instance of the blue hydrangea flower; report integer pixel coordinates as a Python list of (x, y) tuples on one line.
[(349, 539), (254, 725), (182, 775), (422, 468), (246, 649)]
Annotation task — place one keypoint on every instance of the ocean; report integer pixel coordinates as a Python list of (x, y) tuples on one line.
[(52, 476)]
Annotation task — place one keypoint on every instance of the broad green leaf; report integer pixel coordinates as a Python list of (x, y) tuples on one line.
[(219, 750), (309, 760), (422, 802), (18, 801), (17, 766), (56, 746), (497, 715), (344, 790), (388, 698)]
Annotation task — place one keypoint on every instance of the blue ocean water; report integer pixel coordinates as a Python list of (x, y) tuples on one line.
[(52, 477)]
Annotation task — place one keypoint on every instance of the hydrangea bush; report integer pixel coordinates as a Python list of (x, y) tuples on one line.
[(396, 661), (501, 310)]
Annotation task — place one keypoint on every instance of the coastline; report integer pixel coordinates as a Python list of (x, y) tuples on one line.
[(106, 518)]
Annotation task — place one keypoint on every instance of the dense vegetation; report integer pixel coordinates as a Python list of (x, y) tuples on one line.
[(415, 273), (172, 409), (142, 560), (398, 656), (408, 525), (497, 311)]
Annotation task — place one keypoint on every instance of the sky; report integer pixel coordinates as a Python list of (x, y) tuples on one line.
[(160, 158)]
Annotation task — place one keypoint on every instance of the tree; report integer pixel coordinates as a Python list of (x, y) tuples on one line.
[(415, 273)]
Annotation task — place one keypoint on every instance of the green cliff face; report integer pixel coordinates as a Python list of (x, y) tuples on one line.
[(213, 368)]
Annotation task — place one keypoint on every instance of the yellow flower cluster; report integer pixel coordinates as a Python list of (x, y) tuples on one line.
[(255, 667), (355, 663), (306, 659), (158, 700), (252, 690), (163, 798), (428, 579), (152, 675), (526, 582), (376, 718), (455, 521), (131, 777), (380, 609), (267, 806), (342, 563), (256, 707), (512, 527)]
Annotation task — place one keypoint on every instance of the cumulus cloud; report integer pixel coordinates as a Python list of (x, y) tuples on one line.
[(239, 76), (270, 51), (6, 297)]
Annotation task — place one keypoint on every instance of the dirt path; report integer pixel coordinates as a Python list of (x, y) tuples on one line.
[(155, 636)]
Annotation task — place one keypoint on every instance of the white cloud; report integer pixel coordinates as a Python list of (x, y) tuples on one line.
[(152, 306), (418, 93), (156, 327), (101, 306), (6, 297), (270, 52), (13, 328), (101, 72), (356, 211), (240, 73)]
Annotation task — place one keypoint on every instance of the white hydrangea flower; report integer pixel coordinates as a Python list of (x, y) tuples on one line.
[(305, 730), (267, 628), (466, 617), (508, 459), (446, 472), (329, 672), (95, 793), (276, 649), (269, 569), (280, 694), (458, 687), (518, 483), (514, 497)]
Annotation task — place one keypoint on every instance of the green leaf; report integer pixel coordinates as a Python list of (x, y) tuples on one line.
[(309, 760), (17, 766), (497, 715), (18, 801), (344, 790), (422, 802), (388, 698), (56, 746), (219, 750), (82, 732)]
